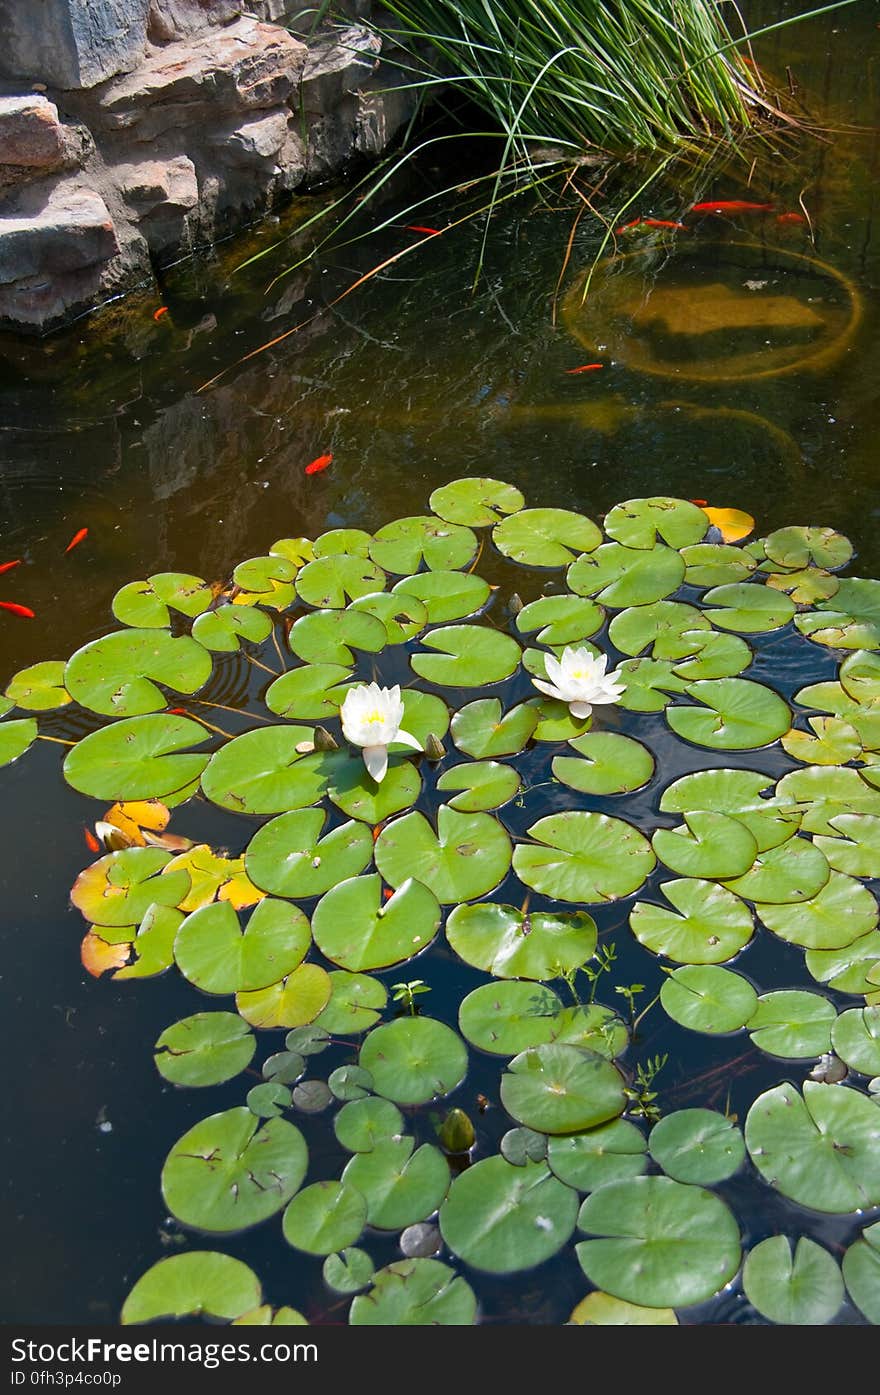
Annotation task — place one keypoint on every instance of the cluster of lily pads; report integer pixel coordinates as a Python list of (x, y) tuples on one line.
[(340, 882)]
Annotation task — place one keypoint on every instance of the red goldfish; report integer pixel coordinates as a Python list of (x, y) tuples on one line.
[(319, 464)]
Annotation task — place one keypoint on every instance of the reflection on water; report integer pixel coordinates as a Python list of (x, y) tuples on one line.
[(409, 382)]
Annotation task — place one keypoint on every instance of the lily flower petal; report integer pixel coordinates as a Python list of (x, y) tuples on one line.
[(376, 761)]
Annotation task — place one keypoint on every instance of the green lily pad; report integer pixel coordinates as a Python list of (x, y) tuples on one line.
[(583, 857), (467, 856), (268, 1101), (118, 674), (849, 620), (649, 684), (205, 1049), (557, 1088), (795, 871), (609, 1153), (849, 969), (325, 1217), (311, 1096), (475, 502), (356, 1001), (230, 1171), (294, 1001), (792, 1024), (511, 1016), (119, 888), (509, 943), (711, 655), (739, 794), (415, 1293), (601, 1310), (738, 714), (659, 627), (198, 1283), (825, 792), (353, 790), (284, 1067), (288, 856), (331, 636), (855, 1037), (445, 595), (716, 564), (839, 914), (482, 732), (147, 604), (519, 1146), (138, 758), (468, 657), (644, 522), (625, 576), (16, 738), (804, 1289), (338, 578), (350, 1083), (218, 956), (349, 1271), (484, 784), (39, 688), (355, 927), (801, 547), (806, 587), (402, 614), (555, 722), (502, 1219), (561, 619), (221, 630), (859, 676), (709, 999), (545, 537), (361, 1124), (748, 608), (697, 1145), (254, 772), (353, 541), (712, 925), (855, 847), (819, 1149), (266, 581), (706, 845), (660, 1243), (402, 545), (153, 946), (413, 1060), (400, 1183), (834, 742), (613, 764), (309, 693), (861, 1272)]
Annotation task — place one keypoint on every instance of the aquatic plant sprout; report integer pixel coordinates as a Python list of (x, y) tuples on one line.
[(699, 827), (371, 718), (579, 679)]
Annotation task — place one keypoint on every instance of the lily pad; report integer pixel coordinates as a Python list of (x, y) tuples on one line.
[(325, 1217), (804, 1289), (254, 772), (716, 564), (294, 1001), (16, 738), (860, 676), (801, 547), (806, 587), (644, 522), (312, 692), (580, 856), (861, 1271), (445, 595), (198, 1283), (739, 793), (349, 1271), (413, 1060), (119, 888), (353, 541), (649, 684), (119, 674), (353, 790), (609, 1153), (230, 1171), (854, 848), (205, 1049), (502, 1219), (555, 722), (697, 1145), (834, 742), (475, 502), (355, 927), (613, 764), (706, 845), (508, 1017), (561, 619), (480, 730), (356, 1001), (839, 914), (266, 581), (361, 1124), (709, 999), (213, 877), (400, 1183), (402, 614), (660, 1243), (849, 620), (138, 758), (350, 1083), (659, 627), (738, 715), (855, 1037), (819, 1149), (825, 792), (218, 956), (153, 946), (39, 688), (148, 603), (509, 943), (402, 545), (748, 608), (545, 537), (484, 784), (268, 1101), (331, 636), (850, 969), (558, 1089), (467, 856), (221, 630), (711, 925), (792, 1024), (415, 1293), (288, 856), (625, 576), (601, 1310), (468, 656), (338, 578)]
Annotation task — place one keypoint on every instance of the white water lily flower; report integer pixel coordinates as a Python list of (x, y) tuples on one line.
[(580, 680), (371, 718)]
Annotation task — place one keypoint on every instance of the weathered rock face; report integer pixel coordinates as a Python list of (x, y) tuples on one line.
[(203, 121), (69, 43)]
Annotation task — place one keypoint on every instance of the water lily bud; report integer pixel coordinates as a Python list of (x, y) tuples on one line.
[(456, 1133), (112, 837), (324, 741), (434, 748), (515, 604)]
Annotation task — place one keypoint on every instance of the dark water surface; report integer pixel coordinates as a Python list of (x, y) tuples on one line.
[(409, 382)]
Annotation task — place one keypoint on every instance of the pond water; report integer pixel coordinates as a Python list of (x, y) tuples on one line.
[(739, 367)]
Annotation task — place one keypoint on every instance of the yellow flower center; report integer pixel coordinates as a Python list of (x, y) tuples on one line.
[(375, 716)]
